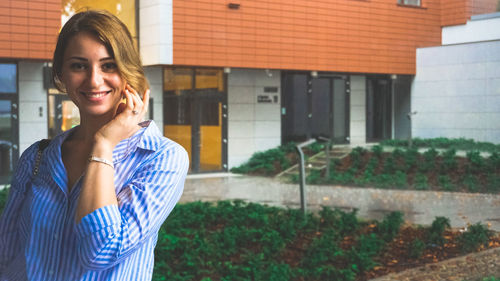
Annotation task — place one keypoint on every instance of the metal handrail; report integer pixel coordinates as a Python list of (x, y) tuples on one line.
[(302, 170)]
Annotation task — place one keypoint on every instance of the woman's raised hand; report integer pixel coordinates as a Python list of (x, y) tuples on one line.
[(126, 120)]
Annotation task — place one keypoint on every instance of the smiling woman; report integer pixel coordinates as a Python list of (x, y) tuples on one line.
[(90, 76), (103, 188)]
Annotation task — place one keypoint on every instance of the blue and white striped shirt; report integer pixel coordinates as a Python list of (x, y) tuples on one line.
[(39, 239)]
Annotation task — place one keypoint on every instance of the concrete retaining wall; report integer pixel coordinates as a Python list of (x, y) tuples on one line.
[(419, 207)]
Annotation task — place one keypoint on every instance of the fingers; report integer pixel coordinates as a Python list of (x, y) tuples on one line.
[(145, 100), (135, 104)]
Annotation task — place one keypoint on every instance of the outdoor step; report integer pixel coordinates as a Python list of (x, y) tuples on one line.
[(318, 161), (307, 168)]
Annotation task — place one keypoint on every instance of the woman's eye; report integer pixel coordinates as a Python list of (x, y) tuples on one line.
[(78, 66), (109, 67)]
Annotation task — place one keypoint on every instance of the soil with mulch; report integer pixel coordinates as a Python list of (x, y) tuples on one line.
[(395, 256)]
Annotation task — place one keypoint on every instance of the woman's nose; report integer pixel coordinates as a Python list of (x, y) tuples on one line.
[(95, 77)]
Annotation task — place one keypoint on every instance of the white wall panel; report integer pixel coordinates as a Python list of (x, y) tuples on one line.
[(358, 110), (479, 28), (32, 97), (252, 126), (459, 96), (156, 32)]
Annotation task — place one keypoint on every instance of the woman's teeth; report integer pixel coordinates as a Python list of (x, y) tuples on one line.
[(96, 95)]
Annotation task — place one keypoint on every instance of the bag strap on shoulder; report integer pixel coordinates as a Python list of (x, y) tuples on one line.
[(41, 146)]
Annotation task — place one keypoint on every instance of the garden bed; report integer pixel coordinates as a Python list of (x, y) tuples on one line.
[(246, 241), (437, 167), (410, 169)]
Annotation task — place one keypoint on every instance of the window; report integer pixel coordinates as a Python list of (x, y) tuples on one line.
[(8, 78), (409, 2)]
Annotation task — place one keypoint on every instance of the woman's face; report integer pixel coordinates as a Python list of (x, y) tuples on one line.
[(91, 76)]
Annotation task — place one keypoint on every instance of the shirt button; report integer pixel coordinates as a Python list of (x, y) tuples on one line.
[(51, 272), (56, 236)]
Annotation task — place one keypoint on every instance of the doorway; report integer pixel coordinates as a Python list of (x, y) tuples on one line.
[(9, 121), (9, 149), (63, 113), (195, 115), (315, 106), (378, 109)]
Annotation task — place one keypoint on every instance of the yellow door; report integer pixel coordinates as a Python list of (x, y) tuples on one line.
[(194, 115)]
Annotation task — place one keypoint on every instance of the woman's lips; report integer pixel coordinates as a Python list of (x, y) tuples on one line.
[(95, 96)]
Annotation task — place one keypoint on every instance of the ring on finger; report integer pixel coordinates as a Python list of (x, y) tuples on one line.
[(135, 112)]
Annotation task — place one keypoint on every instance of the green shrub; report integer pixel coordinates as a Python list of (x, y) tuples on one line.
[(475, 161), (421, 182), (398, 153), (323, 250), (411, 158), (346, 177), (314, 177), (416, 248), (445, 183), (493, 183), (316, 147), (389, 166), (449, 160), (436, 231), (400, 180), (445, 143), (471, 182), (429, 160), (388, 228), (268, 162), (383, 180), (377, 150), (475, 236), (493, 161), (263, 161), (356, 156), (343, 222), (367, 246), (394, 142), (329, 273)]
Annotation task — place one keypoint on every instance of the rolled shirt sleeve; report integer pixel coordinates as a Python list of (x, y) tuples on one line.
[(111, 233)]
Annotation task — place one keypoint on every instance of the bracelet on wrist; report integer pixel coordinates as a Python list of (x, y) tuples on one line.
[(101, 160)]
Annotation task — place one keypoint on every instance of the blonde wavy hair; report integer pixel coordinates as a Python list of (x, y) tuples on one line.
[(114, 35)]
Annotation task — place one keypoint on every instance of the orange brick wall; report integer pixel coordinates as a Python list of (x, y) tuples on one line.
[(454, 12), (28, 29), (372, 36), (484, 6)]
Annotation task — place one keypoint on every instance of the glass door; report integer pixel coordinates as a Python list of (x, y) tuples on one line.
[(378, 110), (315, 106), (194, 115), (9, 121), (340, 107), (9, 150), (63, 113)]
